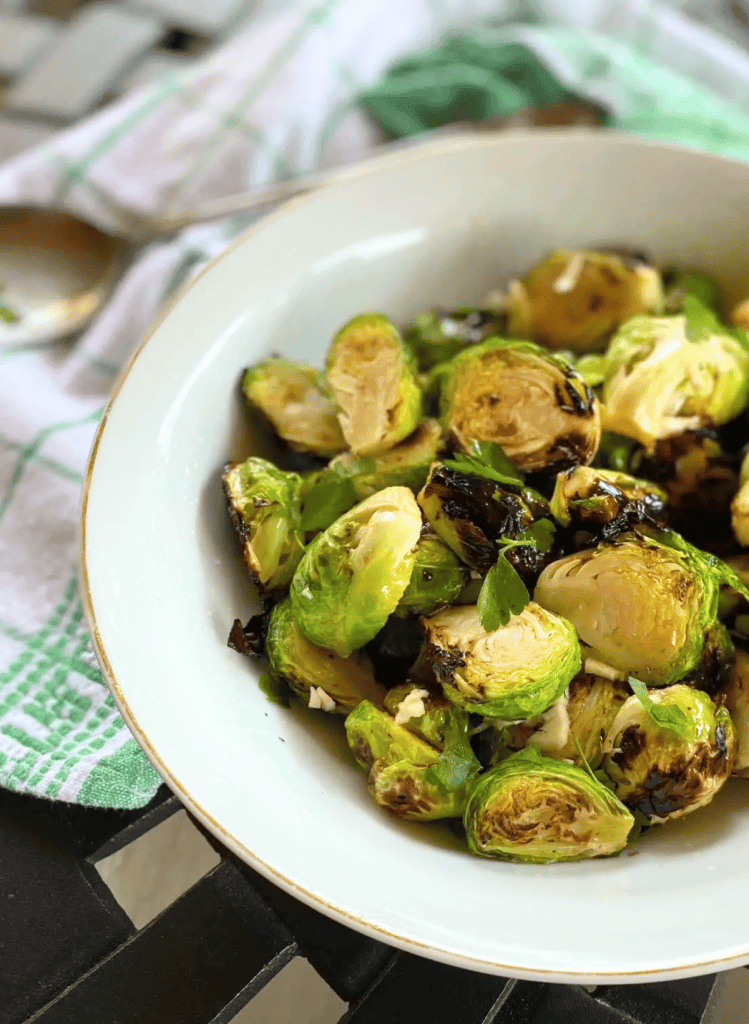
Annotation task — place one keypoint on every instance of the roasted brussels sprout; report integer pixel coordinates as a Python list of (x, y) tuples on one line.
[(580, 718), (372, 376), (538, 809), (438, 335), (681, 282), (521, 397), (665, 773), (290, 397), (306, 668), (353, 575), (576, 299), (436, 580), (515, 672), (740, 506), (425, 711), (264, 504), (399, 763), (661, 381), (601, 498), (736, 698), (645, 609), (406, 465), (470, 513), (739, 315)]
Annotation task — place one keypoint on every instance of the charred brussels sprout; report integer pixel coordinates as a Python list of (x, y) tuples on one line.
[(665, 773), (406, 465), (576, 300), (264, 504), (521, 397), (736, 697), (305, 668), (372, 376), (401, 767), (596, 498), (513, 673), (662, 380), (437, 335), (581, 717), (425, 711), (353, 575), (470, 513), (644, 608), (290, 397), (437, 578), (538, 810)]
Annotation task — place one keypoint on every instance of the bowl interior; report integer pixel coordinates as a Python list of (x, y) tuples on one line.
[(164, 580)]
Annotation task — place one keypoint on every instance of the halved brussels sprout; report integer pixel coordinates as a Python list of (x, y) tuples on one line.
[(406, 465), (513, 673), (664, 774), (576, 299), (353, 575), (438, 335), (437, 578), (681, 282), (644, 608), (290, 396), (736, 697), (583, 714), (398, 762), (470, 513), (304, 667), (264, 504), (660, 381), (425, 711), (538, 810), (600, 497), (372, 376), (521, 397)]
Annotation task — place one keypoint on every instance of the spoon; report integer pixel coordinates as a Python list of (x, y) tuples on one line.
[(57, 270)]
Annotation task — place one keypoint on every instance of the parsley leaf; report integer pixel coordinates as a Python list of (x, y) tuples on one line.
[(488, 460), (456, 765), (540, 534), (667, 716), (502, 595), (328, 498)]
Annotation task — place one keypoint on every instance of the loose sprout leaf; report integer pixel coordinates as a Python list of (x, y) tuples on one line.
[(275, 691), (665, 715), (455, 766), (502, 595), (328, 498)]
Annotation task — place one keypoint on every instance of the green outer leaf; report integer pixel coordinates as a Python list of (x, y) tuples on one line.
[(502, 595), (275, 691), (667, 717), (456, 766), (329, 497), (701, 322)]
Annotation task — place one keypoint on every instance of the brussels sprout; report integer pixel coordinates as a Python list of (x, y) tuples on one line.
[(740, 506), (424, 710), (437, 578), (663, 773), (538, 810), (521, 397), (513, 673), (736, 698), (580, 718), (304, 667), (406, 465), (399, 763), (644, 608), (290, 396), (596, 498), (661, 381), (470, 513), (264, 504), (438, 335), (739, 315), (575, 299), (679, 283), (372, 376), (353, 575)]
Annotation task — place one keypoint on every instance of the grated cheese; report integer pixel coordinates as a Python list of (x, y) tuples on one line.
[(412, 706)]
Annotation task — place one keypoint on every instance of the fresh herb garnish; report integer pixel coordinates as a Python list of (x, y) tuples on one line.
[(503, 593), (329, 497), (455, 766), (667, 716), (488, 460)]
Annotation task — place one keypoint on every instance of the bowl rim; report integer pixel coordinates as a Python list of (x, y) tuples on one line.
[(429, 149)]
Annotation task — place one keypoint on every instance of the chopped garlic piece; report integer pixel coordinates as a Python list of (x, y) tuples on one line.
[(318, 698), (568, 279), (412, 706), (599, 668)]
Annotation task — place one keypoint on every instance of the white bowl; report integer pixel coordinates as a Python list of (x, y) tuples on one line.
[(163, 580)]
